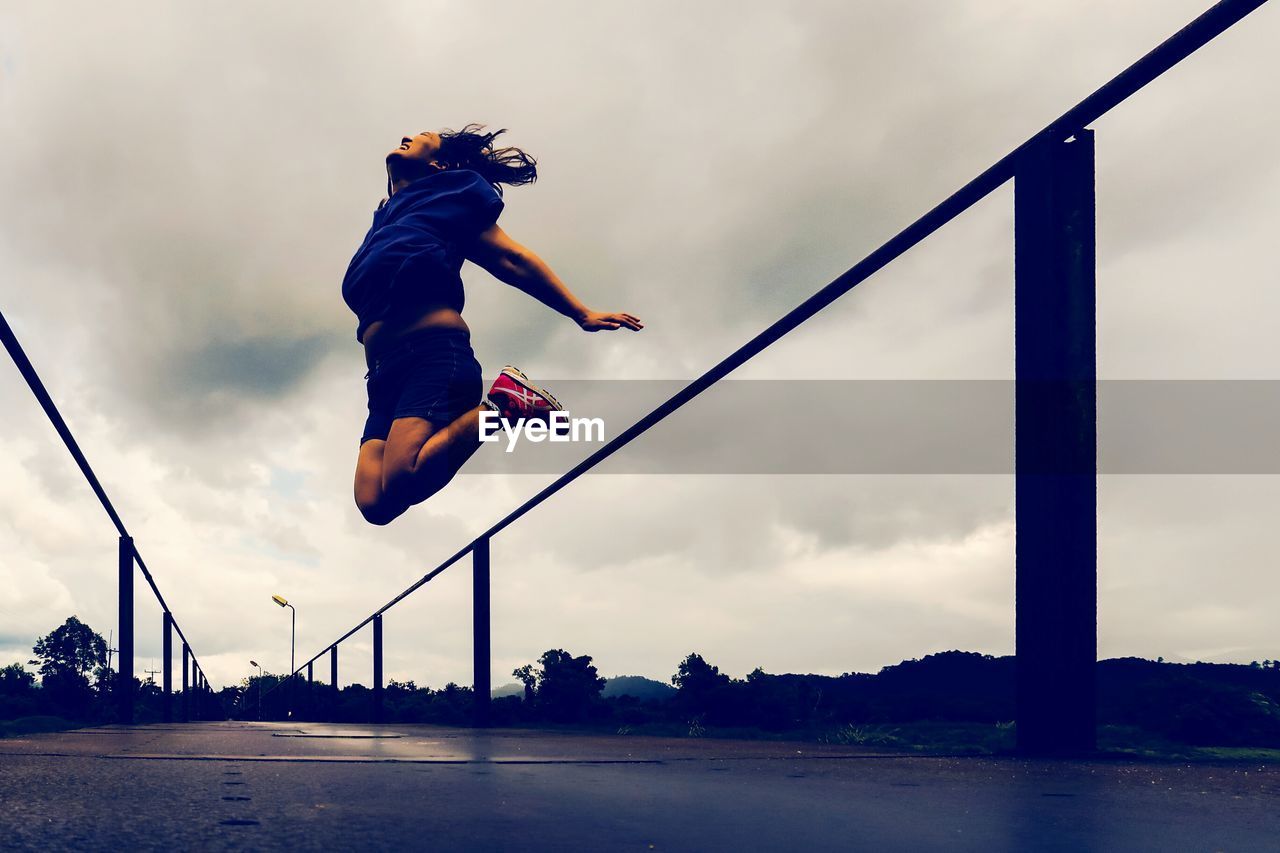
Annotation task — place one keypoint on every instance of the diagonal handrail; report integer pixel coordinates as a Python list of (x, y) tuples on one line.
[(1186, 41), (28, 371)]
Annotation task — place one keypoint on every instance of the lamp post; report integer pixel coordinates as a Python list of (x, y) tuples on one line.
[(293, 633), (259, 666)]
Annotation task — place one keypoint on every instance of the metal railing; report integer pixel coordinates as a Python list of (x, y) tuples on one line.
[(1055, 408), (193, 677)]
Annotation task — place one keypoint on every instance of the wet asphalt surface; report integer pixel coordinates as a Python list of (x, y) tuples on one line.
[(264, 786)]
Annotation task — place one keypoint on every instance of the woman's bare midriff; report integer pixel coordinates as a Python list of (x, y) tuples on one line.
[(381, 334)]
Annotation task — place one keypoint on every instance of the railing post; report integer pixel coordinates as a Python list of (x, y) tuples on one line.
[(167, 645), (1056, 447), (480, 631), (186, 687), (333, 681), (377, 668), (124, 675)]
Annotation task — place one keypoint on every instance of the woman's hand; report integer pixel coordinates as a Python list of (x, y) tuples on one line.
[(595, 321)]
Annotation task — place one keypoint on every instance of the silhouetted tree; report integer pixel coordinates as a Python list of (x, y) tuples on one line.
[(530, 681), (66, 656), (567, 687), (16, 681), (703, 691), (73, 648), (18, 694), (780, 702), (695, 675)]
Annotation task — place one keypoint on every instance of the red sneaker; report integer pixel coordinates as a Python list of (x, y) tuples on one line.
[(516, 397)]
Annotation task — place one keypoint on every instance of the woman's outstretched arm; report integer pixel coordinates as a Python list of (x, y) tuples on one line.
[(512, 263)]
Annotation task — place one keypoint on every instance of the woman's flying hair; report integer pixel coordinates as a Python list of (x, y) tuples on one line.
[(472, 148)]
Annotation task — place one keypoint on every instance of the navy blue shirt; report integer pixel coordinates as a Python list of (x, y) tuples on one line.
[(413, 252)]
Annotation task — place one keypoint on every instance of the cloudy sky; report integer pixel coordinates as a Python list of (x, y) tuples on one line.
[(182, 186)]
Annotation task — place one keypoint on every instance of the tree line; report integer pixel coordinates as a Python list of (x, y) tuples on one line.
[(1199, 704), (76, 682)]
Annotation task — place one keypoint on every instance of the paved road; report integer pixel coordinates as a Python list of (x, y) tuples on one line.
[(264, 786)]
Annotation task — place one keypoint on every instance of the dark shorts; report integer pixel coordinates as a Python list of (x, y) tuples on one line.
[(430, 373)]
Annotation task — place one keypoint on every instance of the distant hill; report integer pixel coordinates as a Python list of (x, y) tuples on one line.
[(620, 685), (512, 689), (637, 686)]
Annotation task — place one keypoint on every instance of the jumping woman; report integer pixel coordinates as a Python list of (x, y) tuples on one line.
[(444, 195)]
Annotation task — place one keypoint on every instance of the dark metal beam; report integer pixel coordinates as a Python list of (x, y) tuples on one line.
[(333, 679), (377, 669), (124, 674), (480, 631), (1056, 446), (167, 645), (186, 682)]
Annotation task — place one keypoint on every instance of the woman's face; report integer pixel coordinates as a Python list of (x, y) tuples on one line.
[(415, 151)]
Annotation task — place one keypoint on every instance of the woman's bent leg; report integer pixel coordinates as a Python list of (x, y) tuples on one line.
[(416, 461), (368, 487)]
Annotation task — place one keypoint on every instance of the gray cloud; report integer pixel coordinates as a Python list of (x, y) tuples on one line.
[(182, 189)]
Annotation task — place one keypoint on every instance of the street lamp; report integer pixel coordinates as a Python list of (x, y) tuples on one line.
[(293, 633), (259, 666)]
